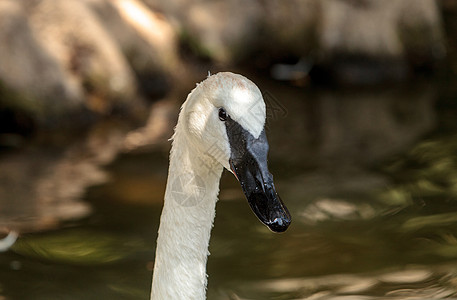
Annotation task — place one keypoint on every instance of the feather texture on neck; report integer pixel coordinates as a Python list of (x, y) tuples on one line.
[(186, 222)]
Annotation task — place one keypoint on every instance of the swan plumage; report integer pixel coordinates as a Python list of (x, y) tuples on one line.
[(221, 125)]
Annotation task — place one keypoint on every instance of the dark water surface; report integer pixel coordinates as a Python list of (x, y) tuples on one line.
[(369, 175)]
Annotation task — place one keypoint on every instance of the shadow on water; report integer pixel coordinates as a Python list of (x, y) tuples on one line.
[(370, 177)]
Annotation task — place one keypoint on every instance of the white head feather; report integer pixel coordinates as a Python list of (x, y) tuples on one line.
[(238, 96)]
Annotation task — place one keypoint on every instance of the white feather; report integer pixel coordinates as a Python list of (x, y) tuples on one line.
[(200, 150)]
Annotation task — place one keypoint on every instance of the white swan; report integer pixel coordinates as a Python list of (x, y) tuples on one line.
[(221, 125)]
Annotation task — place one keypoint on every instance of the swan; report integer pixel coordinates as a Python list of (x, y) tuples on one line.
[(220, 125)]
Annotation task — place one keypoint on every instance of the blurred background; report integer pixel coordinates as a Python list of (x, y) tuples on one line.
[(362, 123)]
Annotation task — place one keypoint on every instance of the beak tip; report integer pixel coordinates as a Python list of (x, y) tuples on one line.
[(279, 224)]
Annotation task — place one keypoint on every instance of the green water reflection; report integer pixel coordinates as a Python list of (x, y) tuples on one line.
[(385, 228)]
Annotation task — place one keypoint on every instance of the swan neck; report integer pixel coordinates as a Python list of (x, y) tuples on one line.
[(185, 224)]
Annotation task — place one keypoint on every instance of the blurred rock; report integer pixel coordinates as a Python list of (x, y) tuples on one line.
[(64, 62), (146, 38), (62, 59), (449, 11), (349, 41), (448, 6), (221, 30), (369, 41), (88, 56), (290, 28), (31, 80)]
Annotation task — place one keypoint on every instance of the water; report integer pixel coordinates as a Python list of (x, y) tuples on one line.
[(370, 177)]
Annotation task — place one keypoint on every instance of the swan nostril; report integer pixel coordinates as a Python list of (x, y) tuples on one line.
[(278, 221)]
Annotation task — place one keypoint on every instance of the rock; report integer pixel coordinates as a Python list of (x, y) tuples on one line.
[(64, 62), (360, 41), (421, 31), (60, 62), (88, 56), (31, 80), (363, 41), (145, 37), (291, 27), (221, 30)]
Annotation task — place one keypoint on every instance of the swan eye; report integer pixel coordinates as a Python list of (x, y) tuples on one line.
[(222, 114)]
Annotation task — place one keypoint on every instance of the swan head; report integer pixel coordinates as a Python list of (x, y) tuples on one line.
[(224, 117)]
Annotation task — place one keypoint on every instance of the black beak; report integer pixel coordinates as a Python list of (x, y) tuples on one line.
[(248, 162)]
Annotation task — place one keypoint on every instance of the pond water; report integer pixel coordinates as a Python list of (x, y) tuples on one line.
[(369, 175)]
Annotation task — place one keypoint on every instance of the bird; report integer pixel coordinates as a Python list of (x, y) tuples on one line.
[(221, 125)]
